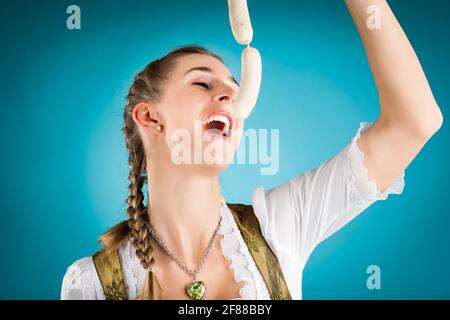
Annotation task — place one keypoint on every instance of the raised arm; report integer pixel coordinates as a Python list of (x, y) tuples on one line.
[(409, 114)]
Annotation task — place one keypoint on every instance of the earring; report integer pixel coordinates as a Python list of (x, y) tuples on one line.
[(158, 127), (154, 114)]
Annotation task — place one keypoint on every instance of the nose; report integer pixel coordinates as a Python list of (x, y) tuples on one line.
[(225, 94)]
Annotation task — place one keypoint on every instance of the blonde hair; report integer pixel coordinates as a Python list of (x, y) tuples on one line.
[(147, 87)]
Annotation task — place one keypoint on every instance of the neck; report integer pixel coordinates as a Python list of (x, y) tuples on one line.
[(184, 210)]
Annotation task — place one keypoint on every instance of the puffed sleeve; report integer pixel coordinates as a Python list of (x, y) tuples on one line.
[(296, 216), (81, 282)]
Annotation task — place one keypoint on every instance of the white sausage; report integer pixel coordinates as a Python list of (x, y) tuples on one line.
[(240, 21), (251, 71)]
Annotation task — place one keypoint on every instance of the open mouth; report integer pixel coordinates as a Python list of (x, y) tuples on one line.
[(218, 123)]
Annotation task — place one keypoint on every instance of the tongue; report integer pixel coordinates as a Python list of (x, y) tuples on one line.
[(215, 126)]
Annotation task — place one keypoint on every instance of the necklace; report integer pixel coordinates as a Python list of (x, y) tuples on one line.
[(195, 289)]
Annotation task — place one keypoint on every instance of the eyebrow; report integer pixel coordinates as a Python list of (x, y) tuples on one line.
[(207, 69)]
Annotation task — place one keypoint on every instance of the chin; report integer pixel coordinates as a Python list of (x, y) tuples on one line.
[(218, 168), (212, 169)]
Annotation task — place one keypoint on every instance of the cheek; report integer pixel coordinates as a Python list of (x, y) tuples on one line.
[(239, 132), (240, 123), (186, 110), (181, 114), (182, 119)]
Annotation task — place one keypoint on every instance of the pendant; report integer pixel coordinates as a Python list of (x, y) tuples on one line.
[(196, 290)]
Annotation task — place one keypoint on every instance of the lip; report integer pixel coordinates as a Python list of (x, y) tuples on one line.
[(230, 119), (223, 113)]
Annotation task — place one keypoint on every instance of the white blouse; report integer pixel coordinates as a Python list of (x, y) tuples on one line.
[(294, 218)]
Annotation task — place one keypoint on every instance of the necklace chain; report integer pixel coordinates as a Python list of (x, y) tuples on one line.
[(194, 274)]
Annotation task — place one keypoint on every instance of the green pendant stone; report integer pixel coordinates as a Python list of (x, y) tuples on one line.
[(196, 290)]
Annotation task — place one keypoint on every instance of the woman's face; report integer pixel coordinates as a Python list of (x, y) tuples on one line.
[(195, 111)]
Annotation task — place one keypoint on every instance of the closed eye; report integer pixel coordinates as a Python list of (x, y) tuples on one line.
[(202, 84)]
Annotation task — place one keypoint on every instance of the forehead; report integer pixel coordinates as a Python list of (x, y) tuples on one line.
[(188, 62)]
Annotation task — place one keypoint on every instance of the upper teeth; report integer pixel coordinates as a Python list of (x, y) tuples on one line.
[(220, 118)]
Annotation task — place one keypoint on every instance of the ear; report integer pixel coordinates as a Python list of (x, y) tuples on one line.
[(142, 116)]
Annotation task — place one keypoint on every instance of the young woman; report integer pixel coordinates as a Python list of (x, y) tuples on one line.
[(180, 244)]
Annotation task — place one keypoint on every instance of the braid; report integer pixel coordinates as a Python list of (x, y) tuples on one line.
[(137, 212)]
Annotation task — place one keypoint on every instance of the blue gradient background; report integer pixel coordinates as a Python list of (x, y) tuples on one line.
[(63, 163)]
